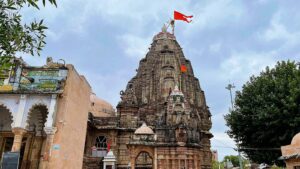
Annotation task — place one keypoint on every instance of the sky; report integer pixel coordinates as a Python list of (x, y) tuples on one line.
[(227, 41)]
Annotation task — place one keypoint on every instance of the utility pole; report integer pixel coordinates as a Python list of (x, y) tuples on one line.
[(230, 87)]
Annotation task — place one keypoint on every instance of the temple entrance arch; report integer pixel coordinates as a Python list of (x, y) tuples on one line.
[(141, 156), (6, 135), (36, 120), (36, 137), (143, 161)]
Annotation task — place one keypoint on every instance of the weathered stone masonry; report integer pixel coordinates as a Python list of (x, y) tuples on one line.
[(171, 102)]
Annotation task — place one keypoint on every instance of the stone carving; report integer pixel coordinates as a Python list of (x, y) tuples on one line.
[(166, 98), (170, 101)]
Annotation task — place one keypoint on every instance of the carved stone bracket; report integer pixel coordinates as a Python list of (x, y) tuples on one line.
[(50, 130)]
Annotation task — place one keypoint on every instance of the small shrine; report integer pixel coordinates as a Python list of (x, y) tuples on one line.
[(291, 153), (109, 160)]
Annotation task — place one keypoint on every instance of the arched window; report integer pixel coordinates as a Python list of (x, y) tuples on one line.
[(101, 143), (100, 147)]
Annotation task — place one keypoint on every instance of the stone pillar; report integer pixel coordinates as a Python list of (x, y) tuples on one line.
[(173, 162), (190, 163), (155, 158), (50, 131), (19, 133), (44, 163), (17, 123), (132, 162), (194, 160), (25, 161)]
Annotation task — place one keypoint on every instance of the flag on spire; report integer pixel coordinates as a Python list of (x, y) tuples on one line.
[(183, 68), (182, 17)]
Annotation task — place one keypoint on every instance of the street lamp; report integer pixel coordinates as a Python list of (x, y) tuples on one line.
[(230, 87)]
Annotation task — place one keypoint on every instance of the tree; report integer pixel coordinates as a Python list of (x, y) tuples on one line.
[(18, 37), (217, 165), (266, 113), (233, 159)]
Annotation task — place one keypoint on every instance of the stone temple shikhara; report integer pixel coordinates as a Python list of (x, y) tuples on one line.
[(162, 120), (55, 121)]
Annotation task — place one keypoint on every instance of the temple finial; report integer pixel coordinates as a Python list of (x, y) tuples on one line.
[(164, 28), (167, 25), (172, 23)]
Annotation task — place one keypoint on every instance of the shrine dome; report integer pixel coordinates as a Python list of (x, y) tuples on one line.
[(100, 107), (296, 139), (144, 130)]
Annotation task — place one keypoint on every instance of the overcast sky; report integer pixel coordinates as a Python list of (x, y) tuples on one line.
[(228, 40)]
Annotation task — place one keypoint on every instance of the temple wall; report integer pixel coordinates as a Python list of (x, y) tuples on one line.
[(71, 121), (122, 153), (167, 96), (178, 157)]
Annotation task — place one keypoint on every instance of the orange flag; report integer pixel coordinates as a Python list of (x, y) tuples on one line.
[(183, 68), (182, 17)]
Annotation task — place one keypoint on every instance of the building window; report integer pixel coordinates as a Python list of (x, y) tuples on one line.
[(100, 147), (101, 142)]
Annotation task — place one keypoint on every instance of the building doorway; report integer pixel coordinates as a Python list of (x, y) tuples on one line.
[(37, 118), (143, 161), (6, 135)]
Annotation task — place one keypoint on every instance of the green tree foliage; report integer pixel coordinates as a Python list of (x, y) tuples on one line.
[(16, 36), (216, 164), (234, 160), (267, 112)]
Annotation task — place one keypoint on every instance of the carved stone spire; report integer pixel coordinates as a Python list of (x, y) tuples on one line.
[(153, 96)]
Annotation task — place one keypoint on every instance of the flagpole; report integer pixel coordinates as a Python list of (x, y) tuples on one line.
[(172, 23)]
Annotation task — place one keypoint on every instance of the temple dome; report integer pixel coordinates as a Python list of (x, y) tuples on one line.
[(296, 139), (100, 107), (144, 129)]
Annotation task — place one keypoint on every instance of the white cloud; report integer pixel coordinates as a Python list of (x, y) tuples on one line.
[(134, 46), (223, 140), (107, 85), (32, 60), (241, 65), (279, 31), (223, 144), (55, 36), (214, 14), (276, 30), (215, 48)]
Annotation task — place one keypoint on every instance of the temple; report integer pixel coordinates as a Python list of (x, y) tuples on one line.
[(50, 118), (162, 120)]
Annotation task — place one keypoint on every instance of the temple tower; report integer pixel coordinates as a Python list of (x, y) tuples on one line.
[(167, 96)]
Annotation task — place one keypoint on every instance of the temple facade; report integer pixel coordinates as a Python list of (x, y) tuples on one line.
[(43, 115), (162, 120)]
